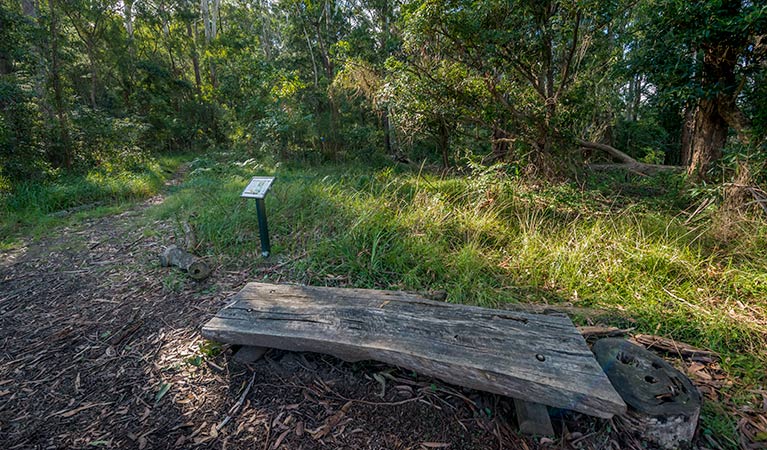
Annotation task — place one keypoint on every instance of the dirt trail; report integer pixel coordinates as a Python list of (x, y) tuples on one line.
[(100, 348)]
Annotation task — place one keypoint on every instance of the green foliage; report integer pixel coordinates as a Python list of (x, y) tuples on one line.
[(645, 140), (31, 205)]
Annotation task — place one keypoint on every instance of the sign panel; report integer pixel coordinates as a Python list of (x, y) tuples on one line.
[(258, 187)]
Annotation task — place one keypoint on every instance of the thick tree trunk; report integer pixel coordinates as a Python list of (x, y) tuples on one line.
[(707, 140), (720, 59), (735, 118), (663, 404)]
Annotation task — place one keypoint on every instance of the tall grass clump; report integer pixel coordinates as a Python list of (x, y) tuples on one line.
[(39, 204), (488, 239)]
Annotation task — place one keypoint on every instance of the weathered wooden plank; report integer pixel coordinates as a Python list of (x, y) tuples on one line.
[(533, 418), (538, 358)]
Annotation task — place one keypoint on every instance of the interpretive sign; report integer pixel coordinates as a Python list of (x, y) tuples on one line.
[(258, 187)]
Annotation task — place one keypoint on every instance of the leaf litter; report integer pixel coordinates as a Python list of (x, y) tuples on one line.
[(98, 352)]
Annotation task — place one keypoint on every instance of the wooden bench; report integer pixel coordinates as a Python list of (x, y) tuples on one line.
[(541, 359)]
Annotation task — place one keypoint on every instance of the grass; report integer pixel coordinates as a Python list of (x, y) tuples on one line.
[(489, 240), (32, 206)]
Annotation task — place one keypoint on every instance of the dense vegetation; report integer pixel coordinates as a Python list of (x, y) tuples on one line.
[(102, 84), (607, 153)]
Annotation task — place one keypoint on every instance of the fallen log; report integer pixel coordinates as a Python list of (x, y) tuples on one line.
[(627, 162), (194, 266)]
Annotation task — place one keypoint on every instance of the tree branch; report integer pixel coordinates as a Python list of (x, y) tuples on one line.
[(628, 162)]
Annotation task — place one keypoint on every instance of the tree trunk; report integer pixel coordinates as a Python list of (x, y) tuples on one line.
[(499, 143), (688, 127), (62, 154), (386, 131), (709, 135), (327, 64), (663, 404), (128, 12), (444, 144), (94, 77), (205, 12), (720, 59), (214, 19), (195, 59)]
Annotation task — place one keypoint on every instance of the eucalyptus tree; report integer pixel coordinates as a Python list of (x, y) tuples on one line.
[(527, 54), (90, 20), (704, 56)]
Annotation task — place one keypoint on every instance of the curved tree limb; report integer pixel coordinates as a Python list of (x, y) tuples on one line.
[(627, 162)]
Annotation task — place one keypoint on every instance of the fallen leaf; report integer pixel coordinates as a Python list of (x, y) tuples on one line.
[(164, 388), (435, 444), (72, 412), (279, 440)]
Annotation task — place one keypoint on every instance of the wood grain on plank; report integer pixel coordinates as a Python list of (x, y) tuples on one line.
[(538, 358)]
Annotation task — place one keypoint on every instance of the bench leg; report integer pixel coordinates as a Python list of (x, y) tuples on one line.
[(533, 418), (248, 354)]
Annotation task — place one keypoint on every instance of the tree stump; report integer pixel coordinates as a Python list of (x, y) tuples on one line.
[(194, 266), (663, 404)]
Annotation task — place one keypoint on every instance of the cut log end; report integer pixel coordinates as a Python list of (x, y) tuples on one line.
[(663, 404), (194, 266), (198, 270)]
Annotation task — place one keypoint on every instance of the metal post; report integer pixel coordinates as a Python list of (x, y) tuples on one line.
[(263, 229)]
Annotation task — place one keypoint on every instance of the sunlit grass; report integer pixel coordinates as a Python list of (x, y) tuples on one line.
[(488, 240), (32, 207)]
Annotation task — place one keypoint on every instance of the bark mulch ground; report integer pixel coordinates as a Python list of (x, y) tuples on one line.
[(100, 348)]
